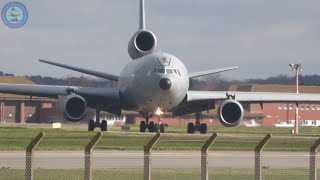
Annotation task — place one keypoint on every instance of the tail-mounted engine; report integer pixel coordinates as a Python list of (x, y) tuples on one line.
[(230, 113), (74, 107), (142, 43)]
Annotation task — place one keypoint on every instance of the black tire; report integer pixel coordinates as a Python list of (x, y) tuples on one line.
[(142, 126), (191, 128), (156, 127), (203, 128), (161, 128), (91, 125), (104, 125), (151, 126)]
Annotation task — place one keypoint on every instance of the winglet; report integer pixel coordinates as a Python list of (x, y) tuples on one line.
[(212, 71), (142, 16)]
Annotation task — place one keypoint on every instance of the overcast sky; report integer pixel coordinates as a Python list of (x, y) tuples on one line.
[(261, 37)]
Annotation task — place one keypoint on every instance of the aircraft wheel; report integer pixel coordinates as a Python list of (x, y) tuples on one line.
[(103, 125), (142, 126), (203, 128), (156, 127), (91, 125), (161, 128), (151, 126), (191, 128)]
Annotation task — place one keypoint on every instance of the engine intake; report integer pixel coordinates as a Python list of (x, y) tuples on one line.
[(142, 43), (230, 113), (74, 107)]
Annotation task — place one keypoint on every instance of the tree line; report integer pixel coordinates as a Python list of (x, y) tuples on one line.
[(213, 82)]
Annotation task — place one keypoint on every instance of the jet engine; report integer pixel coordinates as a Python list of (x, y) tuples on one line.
[(142, 43), (230, 113), (74, 107)]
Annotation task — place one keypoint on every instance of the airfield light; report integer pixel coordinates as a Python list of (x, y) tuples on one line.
[(297, 68)]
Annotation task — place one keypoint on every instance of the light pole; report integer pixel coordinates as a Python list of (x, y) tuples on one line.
[(297, 68)]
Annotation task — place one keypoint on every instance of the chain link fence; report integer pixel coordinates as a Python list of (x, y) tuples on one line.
[(172, 165), (120, 165)]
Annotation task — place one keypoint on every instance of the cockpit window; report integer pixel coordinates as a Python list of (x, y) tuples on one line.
[(169, 71), (178, 72), (166, 71), (161, 71)]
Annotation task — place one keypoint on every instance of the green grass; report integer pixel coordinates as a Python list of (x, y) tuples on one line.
[(242, 138), (137, 174)]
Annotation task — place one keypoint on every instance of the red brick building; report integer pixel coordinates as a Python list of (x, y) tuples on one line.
[(18, 108), (309, 113)]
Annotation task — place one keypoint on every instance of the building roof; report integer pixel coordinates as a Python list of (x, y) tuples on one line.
[(17, 80), (274, 88)]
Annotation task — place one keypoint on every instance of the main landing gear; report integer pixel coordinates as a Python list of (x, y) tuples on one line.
[(199, 126), (97, 124), (151, 126)]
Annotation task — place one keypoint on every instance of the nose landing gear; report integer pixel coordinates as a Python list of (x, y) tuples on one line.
[(151, 126)]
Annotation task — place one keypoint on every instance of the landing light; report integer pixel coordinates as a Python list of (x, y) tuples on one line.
[(159, 112)]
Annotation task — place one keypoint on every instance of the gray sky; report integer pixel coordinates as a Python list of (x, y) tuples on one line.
[(262, 37)]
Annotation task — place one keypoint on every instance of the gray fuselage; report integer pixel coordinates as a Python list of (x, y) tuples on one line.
[(158, 80)]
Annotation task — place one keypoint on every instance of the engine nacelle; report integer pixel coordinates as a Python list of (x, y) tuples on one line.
[(230, 113), (74, 107), (142, 43)]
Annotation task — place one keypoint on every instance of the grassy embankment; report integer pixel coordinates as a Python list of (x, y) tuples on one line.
[(230, 139)]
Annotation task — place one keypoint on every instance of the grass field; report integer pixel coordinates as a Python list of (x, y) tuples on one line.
[(183, 174), (230, 139)]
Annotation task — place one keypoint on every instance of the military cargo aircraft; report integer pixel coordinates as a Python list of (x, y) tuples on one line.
[(153, 81)]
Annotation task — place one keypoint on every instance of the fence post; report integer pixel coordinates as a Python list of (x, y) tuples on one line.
[(257, 155), (313, 152), (147, 160), (29, 155), (204, 154), (87, 156)]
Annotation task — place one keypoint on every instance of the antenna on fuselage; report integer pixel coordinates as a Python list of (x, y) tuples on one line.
[(142, 18)]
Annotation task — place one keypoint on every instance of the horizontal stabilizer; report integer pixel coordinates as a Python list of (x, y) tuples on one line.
[(85, 71), (212, 71)]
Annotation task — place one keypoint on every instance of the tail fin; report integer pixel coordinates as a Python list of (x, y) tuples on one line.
[(142, 17)]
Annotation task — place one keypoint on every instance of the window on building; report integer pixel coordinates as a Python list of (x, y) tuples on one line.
[(280, 106), (318, 107), (302, 107), (314, 123), (285, 106), (313, 107), (307, 107), (290, 106)]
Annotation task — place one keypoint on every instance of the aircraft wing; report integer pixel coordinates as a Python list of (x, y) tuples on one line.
[(82, 70), (212, 71), (55, 91), (252, 97)]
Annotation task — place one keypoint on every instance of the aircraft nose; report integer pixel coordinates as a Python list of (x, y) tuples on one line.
[(165, 84)]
